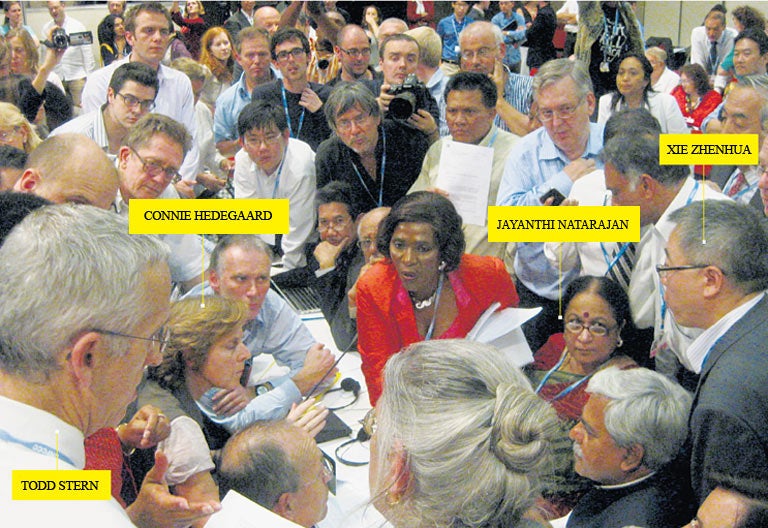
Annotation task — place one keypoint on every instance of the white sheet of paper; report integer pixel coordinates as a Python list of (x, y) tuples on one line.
[(465, 174), (239, 512)]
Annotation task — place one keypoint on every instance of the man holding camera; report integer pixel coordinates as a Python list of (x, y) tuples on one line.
[(78, 60)]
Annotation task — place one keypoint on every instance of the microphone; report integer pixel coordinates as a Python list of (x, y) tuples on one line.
[(351, 385)]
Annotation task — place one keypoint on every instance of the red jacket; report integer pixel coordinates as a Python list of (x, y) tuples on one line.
[(386, 321)]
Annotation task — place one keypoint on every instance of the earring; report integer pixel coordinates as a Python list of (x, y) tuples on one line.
[(619, 342), (392, 498)]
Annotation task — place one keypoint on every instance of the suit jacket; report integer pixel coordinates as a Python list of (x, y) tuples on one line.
[(235, 23), (720, 175), (729, 417)]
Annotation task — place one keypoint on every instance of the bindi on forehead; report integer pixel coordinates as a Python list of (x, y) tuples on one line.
[(585, 315)]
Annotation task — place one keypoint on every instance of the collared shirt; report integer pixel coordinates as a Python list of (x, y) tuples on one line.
[(535, 166), (667, 82), (436, 86), (295, 180), (228, 107), (512, 38), (697, 353), (174, 99), (747, 191), (449, 30), (90, 124), (517, 92), (625, 484), (278, 331), (476, 237), (77, 61), (23, 430), (700, 46)]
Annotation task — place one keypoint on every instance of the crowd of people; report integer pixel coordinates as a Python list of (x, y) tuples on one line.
[(645, 403)]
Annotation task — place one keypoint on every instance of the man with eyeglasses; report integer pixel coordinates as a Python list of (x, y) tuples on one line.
[(762, 183), (130, 95), (147, 162), (299, 99), (634, 177), (353, 50), (272, 165), (279, 466), (551, 157), (483, 51), (147, 27), (719, 287)]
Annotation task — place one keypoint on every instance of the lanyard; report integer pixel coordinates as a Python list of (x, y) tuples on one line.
[(431, 328), (661, 287), (381, 172), (279, 171), (461, 26), (37, 447), (493, 138), (569, 389), (288, 117), (618, 256)]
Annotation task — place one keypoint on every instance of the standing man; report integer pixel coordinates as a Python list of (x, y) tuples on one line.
[(240, 20), (428, 69), (711, 43), (449, 30), (470, 111), (252, 54), (147, 28), (379, 159), (131, 94), (482, 51), (719, 287), (73, 354), (300, 100), (272, 165), (77, 61), (563, 150)]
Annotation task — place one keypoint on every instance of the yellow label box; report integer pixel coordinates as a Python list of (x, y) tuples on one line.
[(708, 149), (216, 217), (60, 484), (563, 224)]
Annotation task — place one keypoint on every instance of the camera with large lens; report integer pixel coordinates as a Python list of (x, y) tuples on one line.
[(59, 39), (403, 105)]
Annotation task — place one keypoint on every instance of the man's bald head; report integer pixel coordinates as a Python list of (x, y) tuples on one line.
[(267, 17), (391, 26), (368, 228), (70, 168)]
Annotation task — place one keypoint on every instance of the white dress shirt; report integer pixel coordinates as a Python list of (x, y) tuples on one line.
[(77, 61)]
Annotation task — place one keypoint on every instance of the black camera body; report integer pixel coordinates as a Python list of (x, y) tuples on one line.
[(404, 103), (60, 40)]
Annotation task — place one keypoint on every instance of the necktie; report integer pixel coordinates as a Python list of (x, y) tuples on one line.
[(621, 271), (713, 57), (738, 184)]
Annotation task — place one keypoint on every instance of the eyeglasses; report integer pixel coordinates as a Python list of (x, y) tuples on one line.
[(154, 169), (369, 423), (6, 135), (296, 53), (564, 112), (345, 125), (664, 269), (355, 53), (482, 53), (329, 472), (161, 337), (596, 329), (147, 105), (337, 223), (267, 141)]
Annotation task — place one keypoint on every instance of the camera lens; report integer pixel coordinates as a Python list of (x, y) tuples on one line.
[(402, 105)]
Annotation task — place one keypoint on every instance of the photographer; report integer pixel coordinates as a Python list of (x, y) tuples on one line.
[(399, 57)]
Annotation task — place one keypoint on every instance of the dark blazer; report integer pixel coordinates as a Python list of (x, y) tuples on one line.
[(720, 174), (235, 23), (729, 417)]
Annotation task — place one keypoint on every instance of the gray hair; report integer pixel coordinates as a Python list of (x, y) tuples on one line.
[(476, 27), (346, 96), (461, 408), (635, 152), (558, 69), (64, 270), (657, 53), (249, 242), (736, 241), (758, 84), (255, 462), (645, 408)]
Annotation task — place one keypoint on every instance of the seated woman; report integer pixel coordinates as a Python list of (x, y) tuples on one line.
[(204, 350), (15, 130), (633, 81), (596, 314), (459, 439), (112, 37), (426, 288)]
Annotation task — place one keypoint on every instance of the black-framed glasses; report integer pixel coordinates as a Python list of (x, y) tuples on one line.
[(161, 337), (355, 53), (664, 269), (154, 169), (296, 53), (596, 329), (147, 105), (329, 471)]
